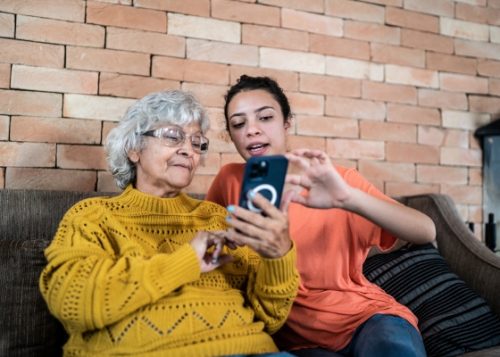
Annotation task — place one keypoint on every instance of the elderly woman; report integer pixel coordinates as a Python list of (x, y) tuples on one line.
[(149, 272)]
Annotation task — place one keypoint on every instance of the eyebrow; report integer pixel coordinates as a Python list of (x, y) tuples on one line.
[(258, 110)]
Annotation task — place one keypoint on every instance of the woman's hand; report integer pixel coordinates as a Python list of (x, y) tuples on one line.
[(266, 232), (213, 259), (326, 188)]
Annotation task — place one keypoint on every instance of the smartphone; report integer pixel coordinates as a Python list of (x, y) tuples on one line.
[(265, 175)]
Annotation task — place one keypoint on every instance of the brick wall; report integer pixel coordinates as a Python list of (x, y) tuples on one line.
[(395, 88)]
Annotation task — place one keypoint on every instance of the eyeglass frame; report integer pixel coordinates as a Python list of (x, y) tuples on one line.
[(157, 133)]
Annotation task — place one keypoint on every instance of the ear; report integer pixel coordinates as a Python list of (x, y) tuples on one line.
[(288, 124), (133, 156)]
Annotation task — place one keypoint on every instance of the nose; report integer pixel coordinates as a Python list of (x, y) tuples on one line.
[(186, 149), (253, 128)]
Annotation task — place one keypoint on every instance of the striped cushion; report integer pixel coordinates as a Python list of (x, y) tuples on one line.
[(453, 319)]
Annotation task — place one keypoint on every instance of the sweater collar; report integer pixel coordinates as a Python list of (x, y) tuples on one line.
[(181, 203)]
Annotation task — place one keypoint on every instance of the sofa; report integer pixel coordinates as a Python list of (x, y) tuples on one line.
[(29, 219)]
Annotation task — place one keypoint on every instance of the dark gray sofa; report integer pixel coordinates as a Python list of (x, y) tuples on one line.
[(29, 219)]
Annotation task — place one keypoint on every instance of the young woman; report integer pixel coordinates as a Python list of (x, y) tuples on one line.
[(335, 218)]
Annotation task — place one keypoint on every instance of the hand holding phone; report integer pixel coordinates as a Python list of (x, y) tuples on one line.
[(264, 175)]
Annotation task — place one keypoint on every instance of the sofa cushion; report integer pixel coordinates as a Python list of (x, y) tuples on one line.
[(26, 326), (453, 319)]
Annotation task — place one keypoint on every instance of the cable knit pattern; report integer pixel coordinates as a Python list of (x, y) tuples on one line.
[(123, 279)]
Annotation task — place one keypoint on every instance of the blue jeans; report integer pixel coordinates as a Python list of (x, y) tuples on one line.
[(380, 336)]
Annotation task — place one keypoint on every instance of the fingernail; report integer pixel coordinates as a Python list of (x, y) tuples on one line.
[(228, 218), (230, 208), (251, 194)]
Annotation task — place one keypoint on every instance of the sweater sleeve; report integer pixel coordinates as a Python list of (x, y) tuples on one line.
[(272, 287), (89, 283)]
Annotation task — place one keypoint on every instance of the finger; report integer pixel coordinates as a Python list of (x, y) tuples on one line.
[(217, 251), (264, 204)]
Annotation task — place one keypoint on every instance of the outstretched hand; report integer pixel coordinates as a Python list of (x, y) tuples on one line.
[(211, 259), (325, 187)]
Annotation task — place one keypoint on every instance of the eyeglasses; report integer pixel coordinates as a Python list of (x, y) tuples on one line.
[(173, 136)]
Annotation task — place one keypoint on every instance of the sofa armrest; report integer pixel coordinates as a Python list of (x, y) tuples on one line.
[(470, 259)]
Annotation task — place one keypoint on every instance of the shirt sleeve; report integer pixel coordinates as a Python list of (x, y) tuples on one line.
[(225, 188)]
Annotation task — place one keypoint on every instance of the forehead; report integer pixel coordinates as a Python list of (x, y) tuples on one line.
[(189, 128), (251, 100)]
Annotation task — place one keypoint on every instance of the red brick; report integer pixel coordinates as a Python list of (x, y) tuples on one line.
[(120, 85), (461, 83), (405, 152), (326, 126), (313, 23), (50, 179), (395, 189), (190, 71), (429, 135), (126, 16), (54, 80), (345, 67), (306, 5), (471, 195), (450, 63), (217, 119), (355, 108), (2, 177), (274, 37), (106, 182), (426, 41), (484, 104), (494, 87), (387, 171), (71, 10), (328, 85), (55, 130), (27, 154), (495, 4), (412, 114), (4, 75), (209, 164), (389, 92), (287, 80), (441, 174), (472, 13), (209, 95), (191, 7), (303, 103), (60, 32), (292, 60), (220, 141), (475, 176), (94, 59), (246, 13), (372, 32), (411, 19), (397, 55), (477, 49), (30, 103), (489, 68), (222, 52), (461, 157), (494, 17), (384, 131), (310, 142), (148, 42), (442, 99), (95, 107), (6, 25), (355, 149), (4, 127), (341, 47), (31, 53), (81, 157), (355, 10), (435, 7)]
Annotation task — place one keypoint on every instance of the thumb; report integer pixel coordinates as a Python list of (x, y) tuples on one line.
[(286, 199)]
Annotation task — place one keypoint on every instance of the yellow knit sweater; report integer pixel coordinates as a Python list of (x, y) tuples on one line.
[(123, 279)]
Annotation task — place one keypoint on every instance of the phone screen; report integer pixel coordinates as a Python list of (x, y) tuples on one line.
[(265, 175)]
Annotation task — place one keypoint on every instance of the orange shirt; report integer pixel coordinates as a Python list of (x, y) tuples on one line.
[(334, 297)]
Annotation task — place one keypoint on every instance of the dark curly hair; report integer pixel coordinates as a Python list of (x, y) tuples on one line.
[(247, 83)]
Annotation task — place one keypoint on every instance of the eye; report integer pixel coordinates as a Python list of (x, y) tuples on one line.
[(237, 124), (172, 135), (266, 117)]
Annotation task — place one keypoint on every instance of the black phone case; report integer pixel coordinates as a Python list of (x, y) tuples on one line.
[(266, 175)]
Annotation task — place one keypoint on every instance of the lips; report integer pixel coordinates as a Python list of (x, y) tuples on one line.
[(257, 149), (184, 165)]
